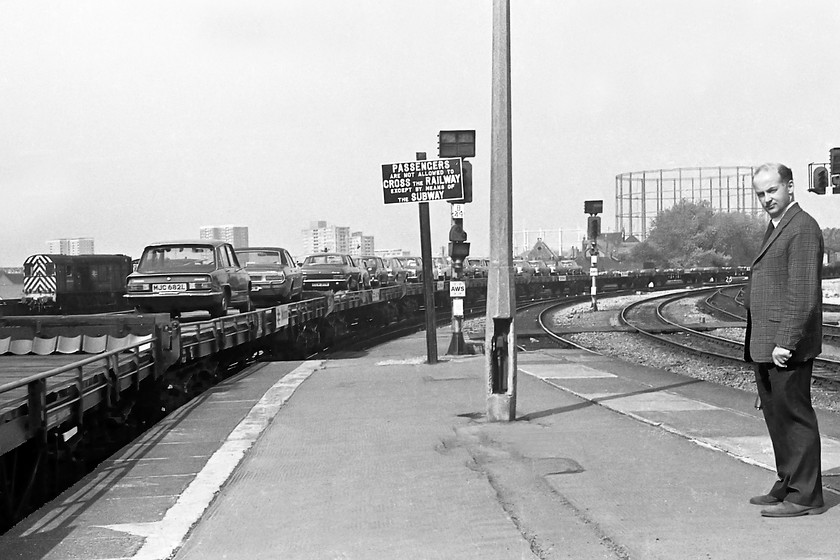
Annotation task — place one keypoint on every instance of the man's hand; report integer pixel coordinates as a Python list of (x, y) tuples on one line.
[(781, 356)]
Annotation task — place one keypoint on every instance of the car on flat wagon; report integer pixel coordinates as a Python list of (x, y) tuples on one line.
[(397, 273), (275, 276), (522, 267), (413, 269), (540, 267), (377, 271), (333, 272), (475, 267), (193, 275), (441, 268)]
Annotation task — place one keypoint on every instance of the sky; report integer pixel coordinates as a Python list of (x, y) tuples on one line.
[(136, 122)]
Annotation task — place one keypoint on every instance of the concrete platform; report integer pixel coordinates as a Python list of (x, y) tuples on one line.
[(379, 455)]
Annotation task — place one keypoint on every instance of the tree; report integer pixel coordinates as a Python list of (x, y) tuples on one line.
[(691, 234), (831, 237)]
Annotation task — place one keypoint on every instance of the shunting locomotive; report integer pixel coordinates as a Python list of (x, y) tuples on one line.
[(72, 284)]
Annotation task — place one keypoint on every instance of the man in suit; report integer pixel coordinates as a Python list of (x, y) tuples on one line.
[(784, 335)]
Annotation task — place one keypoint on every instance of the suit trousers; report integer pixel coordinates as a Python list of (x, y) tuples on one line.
[(785, 395)]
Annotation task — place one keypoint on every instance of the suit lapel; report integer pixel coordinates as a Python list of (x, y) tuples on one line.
[(782, 224)]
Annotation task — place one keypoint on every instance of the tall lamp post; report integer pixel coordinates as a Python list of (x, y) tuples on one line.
[(500, 335)]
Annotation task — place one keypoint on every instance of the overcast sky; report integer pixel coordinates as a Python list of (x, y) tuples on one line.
[(133, 122)]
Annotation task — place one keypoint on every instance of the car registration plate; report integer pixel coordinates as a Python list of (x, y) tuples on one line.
[(320, 284), (176, 287)]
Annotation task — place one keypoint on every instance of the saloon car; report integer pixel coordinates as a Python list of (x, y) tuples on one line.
[(568, 267), (523, 268), (396, 271), (540, 267), (275, 276), (441, 268), (413, 269), (333, 272), (194, 275), (377, 271), (475, 267)]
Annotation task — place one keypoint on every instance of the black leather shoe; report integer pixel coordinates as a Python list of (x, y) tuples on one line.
[(765, 500), (789, 509)]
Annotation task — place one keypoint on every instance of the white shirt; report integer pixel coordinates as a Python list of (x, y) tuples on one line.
[(779, 219)]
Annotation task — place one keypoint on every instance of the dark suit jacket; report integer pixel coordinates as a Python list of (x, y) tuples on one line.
[(784, 296)]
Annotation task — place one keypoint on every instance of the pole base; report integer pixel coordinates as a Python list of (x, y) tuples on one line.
[(501, 408), (457, 346)]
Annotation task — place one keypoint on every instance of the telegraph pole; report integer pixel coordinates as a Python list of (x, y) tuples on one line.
[(500, 337)]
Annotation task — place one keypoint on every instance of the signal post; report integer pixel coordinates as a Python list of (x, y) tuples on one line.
[(593, 230), (458, 143)]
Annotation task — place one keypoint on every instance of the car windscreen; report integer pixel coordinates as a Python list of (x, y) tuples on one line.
[(177, 258), (248, 258), (316, 260)]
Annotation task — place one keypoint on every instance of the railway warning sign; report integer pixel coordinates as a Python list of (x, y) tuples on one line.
[(422, 180)]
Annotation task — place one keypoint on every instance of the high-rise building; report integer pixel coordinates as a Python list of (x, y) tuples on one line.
[(235, 235), (361, 244), (71, 246), (321, 236)]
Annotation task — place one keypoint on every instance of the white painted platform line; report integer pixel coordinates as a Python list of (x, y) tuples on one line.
[(164, 537)]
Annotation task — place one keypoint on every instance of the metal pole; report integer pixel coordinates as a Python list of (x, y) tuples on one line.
[(500, 337), (428, 283)]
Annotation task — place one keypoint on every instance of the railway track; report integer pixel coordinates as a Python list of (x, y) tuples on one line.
[(648, 318), (723, 303), (651, 319)]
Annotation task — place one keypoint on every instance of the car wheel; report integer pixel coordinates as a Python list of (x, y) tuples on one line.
[(221, 309), (247, 306), (352, 285)]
